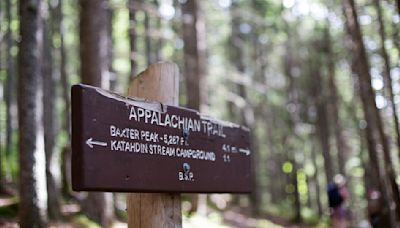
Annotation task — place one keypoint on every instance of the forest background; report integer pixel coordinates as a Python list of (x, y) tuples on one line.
[(316, 81)]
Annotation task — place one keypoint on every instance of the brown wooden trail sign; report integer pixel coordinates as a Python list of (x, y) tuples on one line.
[(122, 144)]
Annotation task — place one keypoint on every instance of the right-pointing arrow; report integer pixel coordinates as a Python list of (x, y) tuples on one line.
[(245, 151), (90, 142)]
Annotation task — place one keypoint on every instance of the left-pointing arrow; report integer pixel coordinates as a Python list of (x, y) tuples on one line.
[(90, 142)]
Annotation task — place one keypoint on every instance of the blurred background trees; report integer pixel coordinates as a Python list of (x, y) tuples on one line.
[(316, 81)]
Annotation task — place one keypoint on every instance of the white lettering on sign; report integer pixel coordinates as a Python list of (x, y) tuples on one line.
[(127, 146), (186, 175), (175, 121), (132, 140), (227, 149), (232, 149), (129, 133), (127, 141), (149, 136), (155, 149)]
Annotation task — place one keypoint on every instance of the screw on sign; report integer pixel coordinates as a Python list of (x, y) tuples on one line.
[(161, 148)]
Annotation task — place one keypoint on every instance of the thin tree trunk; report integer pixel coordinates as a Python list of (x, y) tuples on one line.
[(49, 122), (1, 127), (386, 72), (373, 179), (297, 204), (110, 53), (132, 6), (322, 123), (93, 42), (316, 182), (379, 182), (272, 160), (396, 38), (33, 193), (371, 174), (147, 37), (159, 43), (65, 87), (93, 56), (293, 116), (341, 144), (309, 193), (323, 133), (246, 113), (194, 59), (202, 59), (10, 87), (292, 99), (376, 137)]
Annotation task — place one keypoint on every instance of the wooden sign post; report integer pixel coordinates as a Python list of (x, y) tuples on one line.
[(160, 82), (149, 146)]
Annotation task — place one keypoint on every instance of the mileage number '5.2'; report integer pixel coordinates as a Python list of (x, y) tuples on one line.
[(173, 140)]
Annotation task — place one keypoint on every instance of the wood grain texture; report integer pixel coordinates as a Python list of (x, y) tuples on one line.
[(159, 82)]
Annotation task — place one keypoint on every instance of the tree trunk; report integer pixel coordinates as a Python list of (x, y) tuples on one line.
[(132, 6), (272, 160), (159, 42), (322, 123), (110, 51), (323, 135), (49, 122), (147, 33), (341, 144), (246, 113), (93, 43), (316, 182), (378, 182), (376, 137), (65, 88), (297, 204), (293, 118), (194, 60), (11, 109), (292, 96), (2, 157), (93, 56), (386, 72), (396, 38), (33, 194), (194, 54), (371, 178)]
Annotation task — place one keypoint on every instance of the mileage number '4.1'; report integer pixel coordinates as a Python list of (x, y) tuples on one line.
[(227, 149)]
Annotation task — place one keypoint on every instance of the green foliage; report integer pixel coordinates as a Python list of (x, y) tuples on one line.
[(9, 210)]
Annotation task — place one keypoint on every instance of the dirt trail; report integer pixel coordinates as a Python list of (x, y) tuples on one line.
[(235, 218)]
